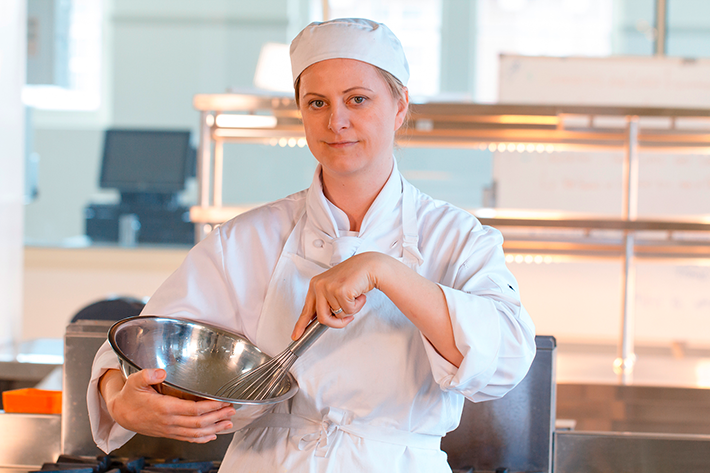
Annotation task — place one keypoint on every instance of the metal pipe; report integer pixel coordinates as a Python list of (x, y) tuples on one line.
[(203, 168), (661, 27), (217, 175), (624, 364), (630, 170)]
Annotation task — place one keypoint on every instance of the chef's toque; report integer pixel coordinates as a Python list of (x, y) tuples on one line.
[(349, 38)]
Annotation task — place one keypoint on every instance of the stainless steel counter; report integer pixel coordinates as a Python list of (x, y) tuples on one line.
[(30, 361), (28, 440), (630, 452)]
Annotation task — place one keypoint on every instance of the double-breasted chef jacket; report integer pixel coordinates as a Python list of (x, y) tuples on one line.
[(374, 396)]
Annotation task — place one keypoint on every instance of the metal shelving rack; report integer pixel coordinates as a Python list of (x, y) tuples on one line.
[(276, 120)]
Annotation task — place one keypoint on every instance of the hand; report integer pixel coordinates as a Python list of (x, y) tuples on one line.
[(344, 287), (137, 406), (341, 287)]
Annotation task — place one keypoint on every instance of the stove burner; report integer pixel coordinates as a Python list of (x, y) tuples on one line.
[(109, 464)]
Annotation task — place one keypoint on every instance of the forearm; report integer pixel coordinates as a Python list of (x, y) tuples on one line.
[(110, 385), (422, 301)]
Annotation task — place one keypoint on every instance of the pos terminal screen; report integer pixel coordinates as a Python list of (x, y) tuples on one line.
[(152, 161)]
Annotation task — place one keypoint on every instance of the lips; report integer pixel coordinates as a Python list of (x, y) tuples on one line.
[(340, 144)]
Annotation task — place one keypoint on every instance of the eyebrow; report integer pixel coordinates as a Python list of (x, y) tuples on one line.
[(345, 91)]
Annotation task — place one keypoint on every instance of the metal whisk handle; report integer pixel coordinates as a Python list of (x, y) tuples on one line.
[(314, 330)]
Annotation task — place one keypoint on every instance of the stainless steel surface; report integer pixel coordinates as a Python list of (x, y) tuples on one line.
[(649, 409), (263, 381), (597, 452), (28, 440), (198, 358), (83, 338), (515, 431)]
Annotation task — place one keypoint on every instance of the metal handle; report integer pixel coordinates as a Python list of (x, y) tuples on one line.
[(313, 331)]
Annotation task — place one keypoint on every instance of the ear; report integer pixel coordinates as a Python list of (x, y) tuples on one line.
[(402, 107)]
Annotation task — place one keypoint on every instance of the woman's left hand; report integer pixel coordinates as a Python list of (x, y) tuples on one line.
[(341, 287)]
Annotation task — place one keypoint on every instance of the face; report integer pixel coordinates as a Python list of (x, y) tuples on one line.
[(350, 118)]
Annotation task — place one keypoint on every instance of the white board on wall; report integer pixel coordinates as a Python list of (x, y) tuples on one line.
[(614, 81), (591, 181), (670, 186)]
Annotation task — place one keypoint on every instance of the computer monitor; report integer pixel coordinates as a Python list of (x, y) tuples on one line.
[(145, 161)]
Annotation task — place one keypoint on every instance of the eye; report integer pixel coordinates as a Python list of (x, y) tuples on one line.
[(317, 103), (359, 99)]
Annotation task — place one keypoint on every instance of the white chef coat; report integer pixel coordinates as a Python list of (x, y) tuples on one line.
[(224, 281)]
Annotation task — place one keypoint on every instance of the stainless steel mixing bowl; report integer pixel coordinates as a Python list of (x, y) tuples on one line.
[(198, 359)]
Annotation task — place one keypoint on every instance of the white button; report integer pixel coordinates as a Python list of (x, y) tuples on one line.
[(318, 243)]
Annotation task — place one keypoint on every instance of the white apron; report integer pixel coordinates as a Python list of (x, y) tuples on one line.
[(358, 385)]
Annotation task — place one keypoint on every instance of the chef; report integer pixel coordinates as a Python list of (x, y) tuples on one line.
[(425, 311)]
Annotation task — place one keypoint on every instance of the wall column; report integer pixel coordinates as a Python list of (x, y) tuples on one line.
[(13, 48)]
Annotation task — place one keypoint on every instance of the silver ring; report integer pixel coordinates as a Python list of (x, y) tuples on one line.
[(336, 312)]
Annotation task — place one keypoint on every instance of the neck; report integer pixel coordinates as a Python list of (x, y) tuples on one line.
[(355, 194)]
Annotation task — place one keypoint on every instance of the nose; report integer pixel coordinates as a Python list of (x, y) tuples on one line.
[(339, 118)]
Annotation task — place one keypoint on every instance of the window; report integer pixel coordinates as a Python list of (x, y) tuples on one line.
[(537, 28), (83, 64), (417, 24)]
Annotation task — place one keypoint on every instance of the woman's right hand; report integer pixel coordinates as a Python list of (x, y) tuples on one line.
[(135, 405)]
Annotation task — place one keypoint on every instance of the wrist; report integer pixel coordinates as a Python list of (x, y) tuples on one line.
[(384, 271), (110, 384)]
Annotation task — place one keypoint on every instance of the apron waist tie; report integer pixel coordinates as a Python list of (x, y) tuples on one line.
[(322, 434)]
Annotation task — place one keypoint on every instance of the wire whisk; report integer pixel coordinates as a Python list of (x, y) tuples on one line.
[(265, 381)]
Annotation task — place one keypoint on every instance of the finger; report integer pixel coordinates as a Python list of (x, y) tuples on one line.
[(199, 408), (326, 317), (306, 314), (204, 421), (359, 303), (200, 430), (146, 378), (193, 435), (335, 306)]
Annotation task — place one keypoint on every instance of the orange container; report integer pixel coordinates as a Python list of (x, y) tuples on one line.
[(32, 401)]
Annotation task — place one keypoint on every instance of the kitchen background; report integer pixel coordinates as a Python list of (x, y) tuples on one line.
[(138, 65)]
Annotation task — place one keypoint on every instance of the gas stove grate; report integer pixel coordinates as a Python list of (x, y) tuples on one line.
[(110, 464)]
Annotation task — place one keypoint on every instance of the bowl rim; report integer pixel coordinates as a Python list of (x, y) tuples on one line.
[(116, 327)]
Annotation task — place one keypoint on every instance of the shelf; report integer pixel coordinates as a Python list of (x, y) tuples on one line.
[(275, 120), (520, 127), (587, 237)]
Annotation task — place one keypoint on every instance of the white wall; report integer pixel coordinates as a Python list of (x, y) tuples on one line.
[(13, 37), (61, 281)]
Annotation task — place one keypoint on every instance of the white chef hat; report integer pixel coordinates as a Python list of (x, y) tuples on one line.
[(349, 38)]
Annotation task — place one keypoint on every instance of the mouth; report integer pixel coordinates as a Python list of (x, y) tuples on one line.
[(340, 144)]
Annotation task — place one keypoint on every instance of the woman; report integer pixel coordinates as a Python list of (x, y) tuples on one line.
[(429, 311)]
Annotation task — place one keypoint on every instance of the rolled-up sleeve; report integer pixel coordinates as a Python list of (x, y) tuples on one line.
[(197, 290), (491, 328), (107, 434)]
